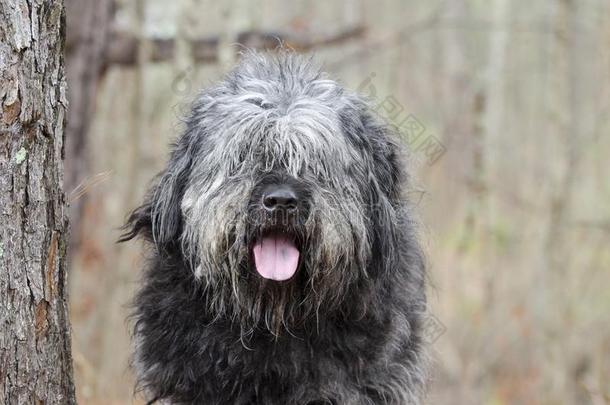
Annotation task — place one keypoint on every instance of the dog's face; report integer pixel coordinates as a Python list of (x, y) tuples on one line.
[(277, 194)]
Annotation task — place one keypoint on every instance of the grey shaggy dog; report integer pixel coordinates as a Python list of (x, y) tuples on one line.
[(284, 264)]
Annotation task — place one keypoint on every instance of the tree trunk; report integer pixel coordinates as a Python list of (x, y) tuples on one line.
[(35, 358)]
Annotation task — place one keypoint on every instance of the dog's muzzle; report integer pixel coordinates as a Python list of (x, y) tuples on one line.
[(276, 248)]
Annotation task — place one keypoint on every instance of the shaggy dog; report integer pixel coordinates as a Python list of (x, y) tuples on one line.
[(284, 264)]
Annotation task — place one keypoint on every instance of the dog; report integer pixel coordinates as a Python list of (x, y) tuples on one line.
[(284, 260)]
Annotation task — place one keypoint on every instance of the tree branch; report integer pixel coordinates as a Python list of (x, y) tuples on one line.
[(122, 47)]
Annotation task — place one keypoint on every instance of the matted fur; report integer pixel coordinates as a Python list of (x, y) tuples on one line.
[(346, 329)]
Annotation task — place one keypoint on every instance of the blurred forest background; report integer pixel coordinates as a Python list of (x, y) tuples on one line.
[(505, 106)]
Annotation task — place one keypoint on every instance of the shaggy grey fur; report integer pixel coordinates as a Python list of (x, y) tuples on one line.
[(346, 329)]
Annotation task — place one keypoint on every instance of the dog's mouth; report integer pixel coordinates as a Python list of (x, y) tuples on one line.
[(276, 255)]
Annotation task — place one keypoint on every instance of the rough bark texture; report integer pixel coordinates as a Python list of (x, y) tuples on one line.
[(35, 358)]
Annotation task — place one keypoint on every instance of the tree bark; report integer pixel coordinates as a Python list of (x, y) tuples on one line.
[(35, 358)]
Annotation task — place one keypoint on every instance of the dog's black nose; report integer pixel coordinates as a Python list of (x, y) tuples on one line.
[(279, 197)]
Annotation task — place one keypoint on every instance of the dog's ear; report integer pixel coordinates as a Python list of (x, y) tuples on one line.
[(159, 218), (387, 209), (370, 132), (387, 153)]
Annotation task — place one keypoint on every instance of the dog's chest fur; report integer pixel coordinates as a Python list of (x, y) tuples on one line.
[(182, 351)]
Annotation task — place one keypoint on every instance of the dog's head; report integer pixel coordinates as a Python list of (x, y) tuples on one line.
[(282, 196)]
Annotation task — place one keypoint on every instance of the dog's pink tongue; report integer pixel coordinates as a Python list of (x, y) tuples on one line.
[(276, 257)]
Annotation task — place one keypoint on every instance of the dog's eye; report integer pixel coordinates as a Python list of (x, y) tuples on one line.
[(260, 103)]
